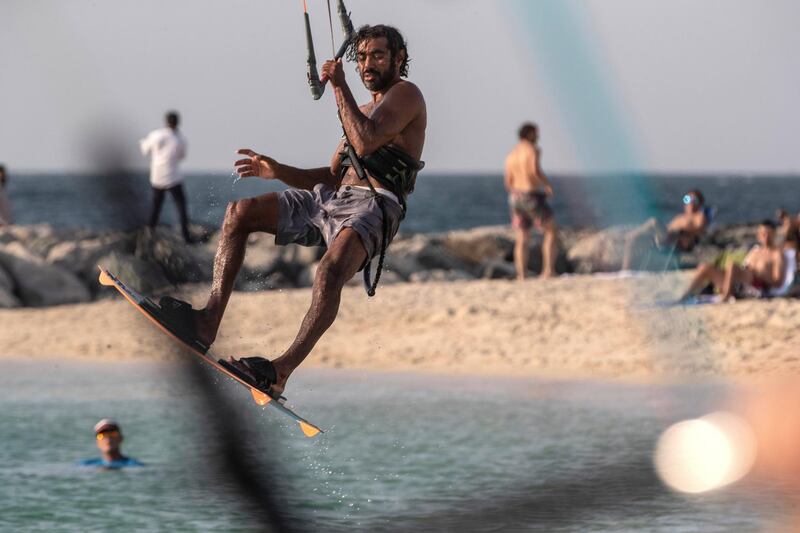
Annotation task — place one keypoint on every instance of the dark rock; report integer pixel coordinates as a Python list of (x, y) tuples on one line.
[(302, 255), (480, 244), (263, 255), (6, 281), (260, 281), (599, 252), (38, 284), (420, 253), (81, 257), (153, 260), (296, 259), (7, 298), (180, 262), (144, 276), (39, 238), (498, 269), (388, 277)]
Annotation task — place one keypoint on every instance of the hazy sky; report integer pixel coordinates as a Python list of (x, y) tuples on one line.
[(656, 85)]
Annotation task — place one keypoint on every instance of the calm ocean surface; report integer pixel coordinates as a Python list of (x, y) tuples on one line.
[(441, 202), (402, 453)]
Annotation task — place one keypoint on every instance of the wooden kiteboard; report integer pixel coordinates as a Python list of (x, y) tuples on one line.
[(261, 396)]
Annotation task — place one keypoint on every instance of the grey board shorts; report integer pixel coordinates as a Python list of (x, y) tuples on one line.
[(314, 218)]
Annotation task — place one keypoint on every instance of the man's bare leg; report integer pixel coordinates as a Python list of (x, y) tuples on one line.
[(549, 252), (522, 237), (706, 273), (340, 263), (734, 274), (242, 218)]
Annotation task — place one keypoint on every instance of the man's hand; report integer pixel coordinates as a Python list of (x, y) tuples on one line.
[(256, 165), (548, 190), (334, 72)]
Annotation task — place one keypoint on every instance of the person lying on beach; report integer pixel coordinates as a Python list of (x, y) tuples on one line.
[(355, 217), (109, 442), (528, 189), (683, 232), (763, 270)]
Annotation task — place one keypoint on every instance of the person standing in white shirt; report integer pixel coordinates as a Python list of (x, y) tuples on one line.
[(166, 148)]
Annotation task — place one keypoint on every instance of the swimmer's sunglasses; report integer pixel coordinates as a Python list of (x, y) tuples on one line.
[(108, 434), (688, 199)]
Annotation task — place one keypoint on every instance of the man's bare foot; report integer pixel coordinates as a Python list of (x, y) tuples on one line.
[(282, 375), (205, 325), (277, 390), (547, 274), (260, 371)]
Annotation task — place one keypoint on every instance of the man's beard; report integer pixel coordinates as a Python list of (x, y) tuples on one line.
[(379, 80)]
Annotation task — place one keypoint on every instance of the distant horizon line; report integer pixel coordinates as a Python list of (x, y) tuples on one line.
[(449, 173)]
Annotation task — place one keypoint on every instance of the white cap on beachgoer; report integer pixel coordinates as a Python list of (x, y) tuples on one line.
[(106, 424)]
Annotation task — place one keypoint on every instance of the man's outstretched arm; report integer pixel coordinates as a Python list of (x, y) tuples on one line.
[(261, 166)]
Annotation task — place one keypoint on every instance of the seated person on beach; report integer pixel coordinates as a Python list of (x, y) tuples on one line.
[(528, 189), (353, 206), (763, 270), (683, 232), (109, 440), (5, 206)]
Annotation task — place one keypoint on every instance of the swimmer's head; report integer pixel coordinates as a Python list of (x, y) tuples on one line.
[(108, 435)]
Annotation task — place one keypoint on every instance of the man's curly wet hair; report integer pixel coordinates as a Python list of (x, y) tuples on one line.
[(394, 40)]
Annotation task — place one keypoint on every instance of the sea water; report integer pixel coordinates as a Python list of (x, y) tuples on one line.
[(440, 202), (402, 452)]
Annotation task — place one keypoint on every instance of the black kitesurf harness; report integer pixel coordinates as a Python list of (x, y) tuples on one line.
[(390, 166), (395, 170)]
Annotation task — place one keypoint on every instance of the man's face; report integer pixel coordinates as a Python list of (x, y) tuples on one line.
[(109, 441), (766, 235), (376, 65)]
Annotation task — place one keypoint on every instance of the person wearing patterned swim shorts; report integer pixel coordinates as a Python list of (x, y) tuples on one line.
[(528, 190)]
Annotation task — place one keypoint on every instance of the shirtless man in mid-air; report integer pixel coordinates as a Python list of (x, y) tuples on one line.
[(329, 206), (528, 189), (763, 269)]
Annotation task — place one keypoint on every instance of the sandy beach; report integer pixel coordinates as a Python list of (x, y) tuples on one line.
[(573, 326)]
